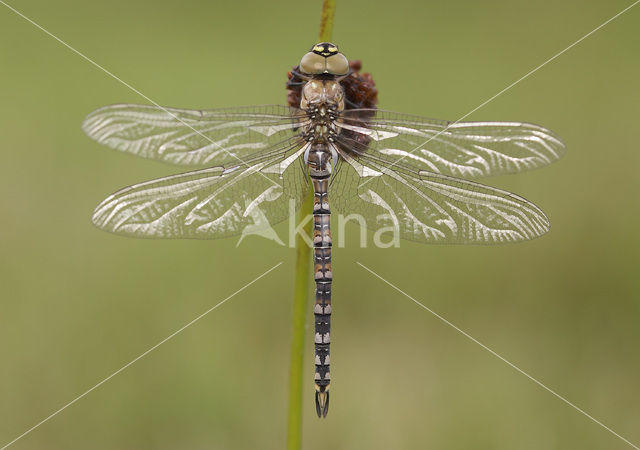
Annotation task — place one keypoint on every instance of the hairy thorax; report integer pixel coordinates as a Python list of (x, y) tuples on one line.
[(322, 100)]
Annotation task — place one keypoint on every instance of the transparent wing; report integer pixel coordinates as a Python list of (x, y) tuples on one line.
[(429, 207), (210, 203), (193, 137), (465, 149)]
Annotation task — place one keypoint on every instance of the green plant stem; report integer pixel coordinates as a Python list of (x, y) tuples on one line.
[(301, 288), (299, 319), (326, 23)]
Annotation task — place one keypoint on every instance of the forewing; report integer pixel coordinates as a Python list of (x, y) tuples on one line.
[(193, 137), (431, 208), (465, 149), (210, 203)]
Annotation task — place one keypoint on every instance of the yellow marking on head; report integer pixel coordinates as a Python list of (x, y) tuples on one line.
[(333, 49)]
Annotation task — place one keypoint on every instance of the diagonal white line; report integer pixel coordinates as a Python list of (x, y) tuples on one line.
[(531, 72), (139, 357), (497, 356), (86, 58)]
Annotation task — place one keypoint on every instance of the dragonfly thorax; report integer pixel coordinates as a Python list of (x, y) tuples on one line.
[(318, 93), (322, 100)]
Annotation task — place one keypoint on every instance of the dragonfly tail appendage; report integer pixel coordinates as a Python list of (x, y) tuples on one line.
[(322, 401), (319, 171)]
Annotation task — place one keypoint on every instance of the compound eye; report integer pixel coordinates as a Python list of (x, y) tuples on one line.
[(312, 63), (337, 64)]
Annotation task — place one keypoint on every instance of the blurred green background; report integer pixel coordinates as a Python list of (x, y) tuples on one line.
[(78, 303)]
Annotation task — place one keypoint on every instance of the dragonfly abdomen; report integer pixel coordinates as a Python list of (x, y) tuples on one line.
[(319, 165)]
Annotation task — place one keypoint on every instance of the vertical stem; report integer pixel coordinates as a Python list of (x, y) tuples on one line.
[(301, 289), (299, 319), (326, 23)]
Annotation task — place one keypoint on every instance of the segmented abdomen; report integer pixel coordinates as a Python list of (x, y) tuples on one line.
[(319, 170)]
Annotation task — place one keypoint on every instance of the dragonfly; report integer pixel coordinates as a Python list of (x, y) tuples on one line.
[(252, 164)]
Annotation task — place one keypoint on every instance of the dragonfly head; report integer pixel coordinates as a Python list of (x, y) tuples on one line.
[(324, 58)]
